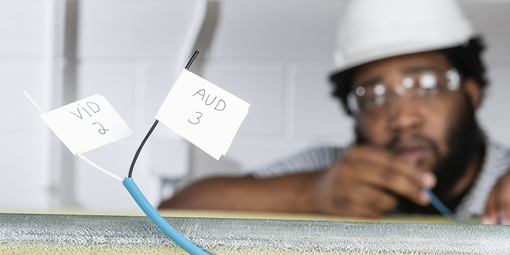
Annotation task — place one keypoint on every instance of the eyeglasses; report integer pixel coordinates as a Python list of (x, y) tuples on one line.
[(424, 86)]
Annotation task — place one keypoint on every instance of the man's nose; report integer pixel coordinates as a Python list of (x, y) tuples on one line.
[(404, 115)]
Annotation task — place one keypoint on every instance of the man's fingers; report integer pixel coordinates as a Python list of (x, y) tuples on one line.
[(497, 209), (490, 216), (503, 200), (351, 209), (370, 197), (388, 161), (394, 182), (366, 181)]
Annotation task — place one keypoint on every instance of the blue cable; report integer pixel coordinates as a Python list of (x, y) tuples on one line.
[(161, 223), (443, 209)]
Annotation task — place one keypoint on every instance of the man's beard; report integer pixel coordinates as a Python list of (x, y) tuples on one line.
[(464, 140)]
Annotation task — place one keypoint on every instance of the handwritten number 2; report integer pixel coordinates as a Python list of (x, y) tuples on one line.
[(198, 119), (102, 130)]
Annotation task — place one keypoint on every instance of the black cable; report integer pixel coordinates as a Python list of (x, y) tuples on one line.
[(130, 173), (191, 60)]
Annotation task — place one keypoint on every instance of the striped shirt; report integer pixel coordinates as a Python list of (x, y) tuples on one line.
[(496, 163)]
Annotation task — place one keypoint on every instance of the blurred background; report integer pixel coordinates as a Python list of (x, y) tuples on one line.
[(274, 54)]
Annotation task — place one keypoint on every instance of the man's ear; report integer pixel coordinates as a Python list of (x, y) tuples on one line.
[(474, 92)]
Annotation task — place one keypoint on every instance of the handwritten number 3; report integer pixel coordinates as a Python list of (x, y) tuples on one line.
[(198, 119)]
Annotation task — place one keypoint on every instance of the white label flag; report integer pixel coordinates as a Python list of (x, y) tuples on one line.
[(87, 124), (203, 113)]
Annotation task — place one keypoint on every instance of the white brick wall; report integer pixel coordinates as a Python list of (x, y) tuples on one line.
[(22, 25), (23, 142), (491, 21), (130, 52), (274, 54)]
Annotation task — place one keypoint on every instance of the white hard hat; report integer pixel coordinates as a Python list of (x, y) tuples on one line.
[(375, 29)]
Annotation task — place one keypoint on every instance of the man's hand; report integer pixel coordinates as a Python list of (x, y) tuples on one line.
[(497, 209), (364, 182)]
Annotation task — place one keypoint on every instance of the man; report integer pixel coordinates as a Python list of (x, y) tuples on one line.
[(410, 74)]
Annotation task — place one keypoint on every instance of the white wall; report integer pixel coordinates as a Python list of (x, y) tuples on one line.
[(274, 54), (25, 169)]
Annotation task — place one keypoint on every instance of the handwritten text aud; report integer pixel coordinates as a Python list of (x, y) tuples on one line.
[(216, 103)]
